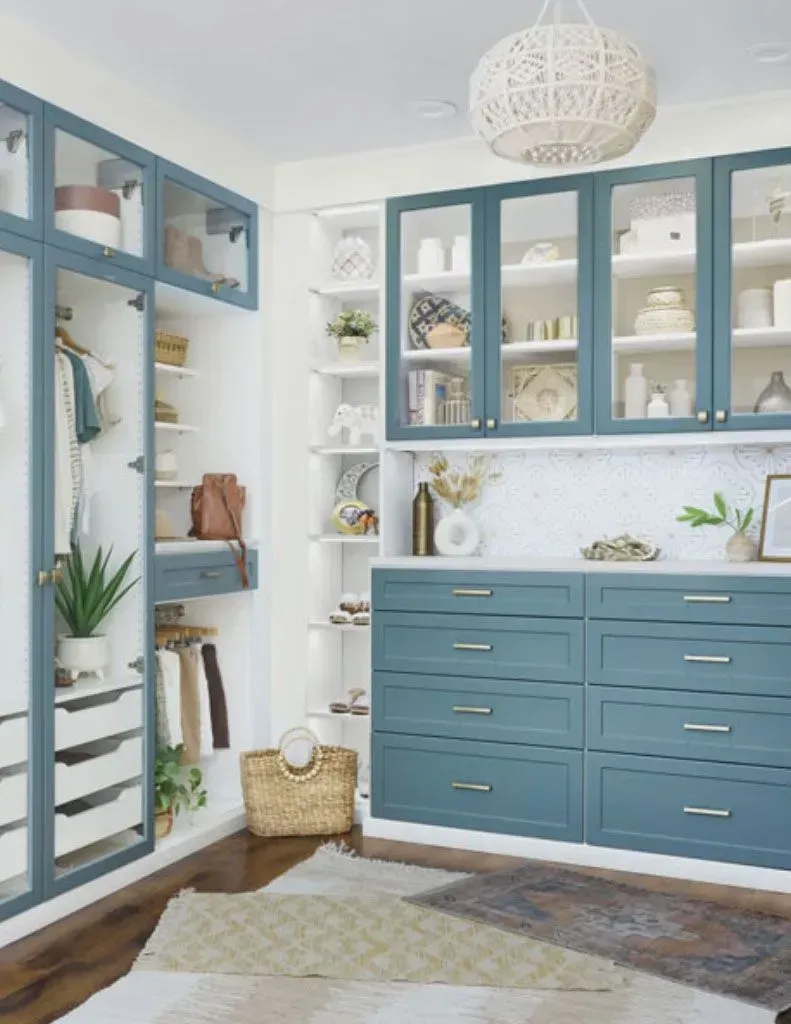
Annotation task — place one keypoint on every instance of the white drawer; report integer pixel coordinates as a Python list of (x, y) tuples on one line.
[(13, 798), (13, 741), (83, 725), (95, 773), (13, 853), (118, 810)]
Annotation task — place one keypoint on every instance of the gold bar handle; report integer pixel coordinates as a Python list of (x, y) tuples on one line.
[(211, 574), (694, 727), (473, 787), (463, 709), (707, 598), (707, 812), (708, 659), (472, 647), (470, 592)]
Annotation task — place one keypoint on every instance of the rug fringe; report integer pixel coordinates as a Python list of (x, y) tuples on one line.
[(344, 852)]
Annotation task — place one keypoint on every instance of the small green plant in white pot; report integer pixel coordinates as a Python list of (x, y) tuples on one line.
[(85, 597), (739, 547), (351, 329), (177, 788)]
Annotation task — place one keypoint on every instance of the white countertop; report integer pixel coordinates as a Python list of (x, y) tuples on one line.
[(710, 566)]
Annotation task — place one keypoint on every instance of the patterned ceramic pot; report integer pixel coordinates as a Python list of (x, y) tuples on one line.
[(665, 297), (739, 548)]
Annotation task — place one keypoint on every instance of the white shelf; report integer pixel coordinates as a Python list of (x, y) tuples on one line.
[(175, 371), (174, 485), (536, 275), (344, 449), (444, 281), (335, 627), (365, 368), (343, 715), (343, 538), (175, 428), (516, 349), (771, 252), (350, 290), (359, 215), (437, 355), (767, 253), (95, 688), (180, 547), (742, 337)]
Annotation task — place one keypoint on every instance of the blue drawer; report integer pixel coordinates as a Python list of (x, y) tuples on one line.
[(690, 808), (504, 711), (726, 600), (180, 577), (479, 593), (719, 659), (708, 727), (494, 647), (527, 791)]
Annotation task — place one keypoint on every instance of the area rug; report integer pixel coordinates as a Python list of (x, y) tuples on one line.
[(712, 946)]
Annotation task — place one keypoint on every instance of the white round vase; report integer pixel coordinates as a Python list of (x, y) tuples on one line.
[(456, 535), (82, 654)]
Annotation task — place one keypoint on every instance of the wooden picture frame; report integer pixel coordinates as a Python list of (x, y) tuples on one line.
[(775, 542)]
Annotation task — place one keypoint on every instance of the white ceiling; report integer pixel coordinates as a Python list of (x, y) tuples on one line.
[(314, 77)]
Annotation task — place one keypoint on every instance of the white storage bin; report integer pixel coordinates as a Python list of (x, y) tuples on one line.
[(13, 798), (95, 773), (13, 853), (82, 725), (112, 812), (13, 741)]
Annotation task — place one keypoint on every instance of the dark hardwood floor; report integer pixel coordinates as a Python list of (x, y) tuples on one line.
[(44, 976)]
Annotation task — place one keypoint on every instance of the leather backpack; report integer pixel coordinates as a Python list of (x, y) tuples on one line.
[(216, 508)]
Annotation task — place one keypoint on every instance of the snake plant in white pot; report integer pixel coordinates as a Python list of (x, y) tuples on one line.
[(84, 599)]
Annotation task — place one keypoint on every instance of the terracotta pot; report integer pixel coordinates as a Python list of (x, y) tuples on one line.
[(163, 823)]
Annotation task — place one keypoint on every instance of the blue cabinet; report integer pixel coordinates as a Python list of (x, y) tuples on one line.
[(181, 577), (22, 160)]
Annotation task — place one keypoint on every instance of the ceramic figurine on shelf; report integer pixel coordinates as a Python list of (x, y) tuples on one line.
[(359, 420)]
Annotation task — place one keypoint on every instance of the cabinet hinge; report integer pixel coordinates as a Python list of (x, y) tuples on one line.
[(128, 188), (138, 464), (138, 665), (138, 302)]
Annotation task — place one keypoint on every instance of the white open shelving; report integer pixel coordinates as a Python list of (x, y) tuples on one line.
[(366, 368), (175, 371)]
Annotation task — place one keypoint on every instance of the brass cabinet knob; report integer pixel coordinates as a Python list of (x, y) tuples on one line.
[(44, 577), (475, 423), (491, 423), (108, 252), (721, 416), (216, 285), (703, 416)]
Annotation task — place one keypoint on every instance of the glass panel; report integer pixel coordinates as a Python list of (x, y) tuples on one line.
[(204, 238), (98, 195), (761, 291), (538, 256), (654, 264), (99, 503), (16, 575), (14, 161), (436, 317)]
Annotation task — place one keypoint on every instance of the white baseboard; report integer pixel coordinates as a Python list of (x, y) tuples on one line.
[(742, 875)]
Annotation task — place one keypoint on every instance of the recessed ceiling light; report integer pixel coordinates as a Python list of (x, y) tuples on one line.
[(769, 53), (434, 110)]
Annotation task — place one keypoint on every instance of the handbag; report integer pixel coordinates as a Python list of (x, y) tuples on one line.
[(216, 509)]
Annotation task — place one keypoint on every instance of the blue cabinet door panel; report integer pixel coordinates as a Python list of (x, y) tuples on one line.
[(676, 723), (708, 659), (492, 647), (23, 113), (479, 593), (527, 791), (502, 711), (180, 577), (690, 808)]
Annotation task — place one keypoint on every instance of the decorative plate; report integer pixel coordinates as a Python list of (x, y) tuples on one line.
[(543, 393), (428, 310), (350, 481), (352, 516)]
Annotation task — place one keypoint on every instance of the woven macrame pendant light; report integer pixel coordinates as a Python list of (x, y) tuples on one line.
[(562, 93)]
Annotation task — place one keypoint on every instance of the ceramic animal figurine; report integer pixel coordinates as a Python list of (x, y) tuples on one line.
[(359, 420)]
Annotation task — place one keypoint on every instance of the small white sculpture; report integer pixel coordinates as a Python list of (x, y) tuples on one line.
[(359, 420)]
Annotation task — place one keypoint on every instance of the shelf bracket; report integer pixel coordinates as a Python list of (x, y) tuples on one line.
[(14, 140), (138, 464), (138, 302)]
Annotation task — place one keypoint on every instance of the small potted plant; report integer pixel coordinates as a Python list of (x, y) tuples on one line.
[(739, 547), (84, 600), (176, 788), (351, 329)]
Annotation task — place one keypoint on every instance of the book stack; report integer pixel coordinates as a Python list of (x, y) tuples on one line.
[(426, 393)]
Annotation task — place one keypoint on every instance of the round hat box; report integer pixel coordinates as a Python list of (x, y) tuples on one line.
[(89, 212)]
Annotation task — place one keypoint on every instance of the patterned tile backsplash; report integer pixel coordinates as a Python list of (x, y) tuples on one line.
[(552, 503)]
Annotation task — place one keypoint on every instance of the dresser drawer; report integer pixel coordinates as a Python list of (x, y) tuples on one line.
[(492, 647), (718, 659), (13, 741), (690, 808), (201, 574), (503, 711), (528, 791), (481, 593), (75, 725), (710, 727), (726, 600)]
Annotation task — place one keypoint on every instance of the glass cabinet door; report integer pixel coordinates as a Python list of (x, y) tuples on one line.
[(539, 328), (207, 237), (98, 727), (20, 162), (653, 299), (99, 193), (435, 316), (752, 282)]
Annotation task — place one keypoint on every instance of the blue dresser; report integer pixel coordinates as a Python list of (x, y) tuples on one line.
[(635, 709)]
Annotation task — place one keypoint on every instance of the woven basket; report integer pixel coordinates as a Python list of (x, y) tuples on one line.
[(282, 800), (171, 349)]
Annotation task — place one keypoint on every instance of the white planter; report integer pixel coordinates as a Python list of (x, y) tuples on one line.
[(350, 349), (456, 535), (83, 654)]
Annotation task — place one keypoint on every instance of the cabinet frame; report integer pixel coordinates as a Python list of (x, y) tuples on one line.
[(31, 226)]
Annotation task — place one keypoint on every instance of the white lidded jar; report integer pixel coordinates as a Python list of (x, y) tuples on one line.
[(460, 255), (635, 393), (782, 303), (658, 407), (754, 308), (430, 257), (680, 399)]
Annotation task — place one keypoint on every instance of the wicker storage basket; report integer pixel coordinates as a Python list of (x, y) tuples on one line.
[(283, 800), (171, 349)]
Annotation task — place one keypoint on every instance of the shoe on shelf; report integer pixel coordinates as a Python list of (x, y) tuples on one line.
[(355, 704)]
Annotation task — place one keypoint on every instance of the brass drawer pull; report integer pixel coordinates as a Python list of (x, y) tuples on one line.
[(463, 709), (211, 574), (708, 659), (707, 812), (693, 727), (472, 647), (473, 787), (707, 598), (464, 592)]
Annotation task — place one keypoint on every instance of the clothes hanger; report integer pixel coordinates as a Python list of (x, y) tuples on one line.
[(63, 335)]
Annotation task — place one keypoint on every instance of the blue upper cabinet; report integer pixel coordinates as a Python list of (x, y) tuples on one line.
[(752, 288), (207, 237), (653, 287), (21, 163), (539, 307), (99, 193), (435, 316)]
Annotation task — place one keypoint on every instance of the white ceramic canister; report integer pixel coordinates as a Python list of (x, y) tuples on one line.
[(754, 308), (635, 393), (166, 465), (680, 400), (430, 257), (657, 407), (460, 255), (782, 303), (89, 212)]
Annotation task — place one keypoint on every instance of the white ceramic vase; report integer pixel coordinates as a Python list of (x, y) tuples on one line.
[(680, 400), (635, 393), (456, 534), (460, 255), (782, 303), (80, 655), (657, 407), (430, 257), (739, 548)]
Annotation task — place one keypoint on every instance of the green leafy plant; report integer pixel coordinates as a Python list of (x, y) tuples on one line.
[(176, 787), (738, 521), (85, 599), (352, 323)]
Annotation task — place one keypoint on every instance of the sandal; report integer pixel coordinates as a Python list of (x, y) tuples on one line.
[(343, 614), (357, 704)]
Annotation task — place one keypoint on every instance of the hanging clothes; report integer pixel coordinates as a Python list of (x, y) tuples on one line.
[(101, 377), (206, 733), (86, 416), (190, 707), (217, 702), (68, 464), (169, 702)]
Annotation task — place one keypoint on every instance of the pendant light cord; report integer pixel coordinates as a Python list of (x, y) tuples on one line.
[(558, 9)]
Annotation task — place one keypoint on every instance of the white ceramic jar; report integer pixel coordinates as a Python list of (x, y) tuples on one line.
[(754, 308), (782, 303), (430, 257), (680, 400), (657, 407), (460, 255), (635, 393)]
